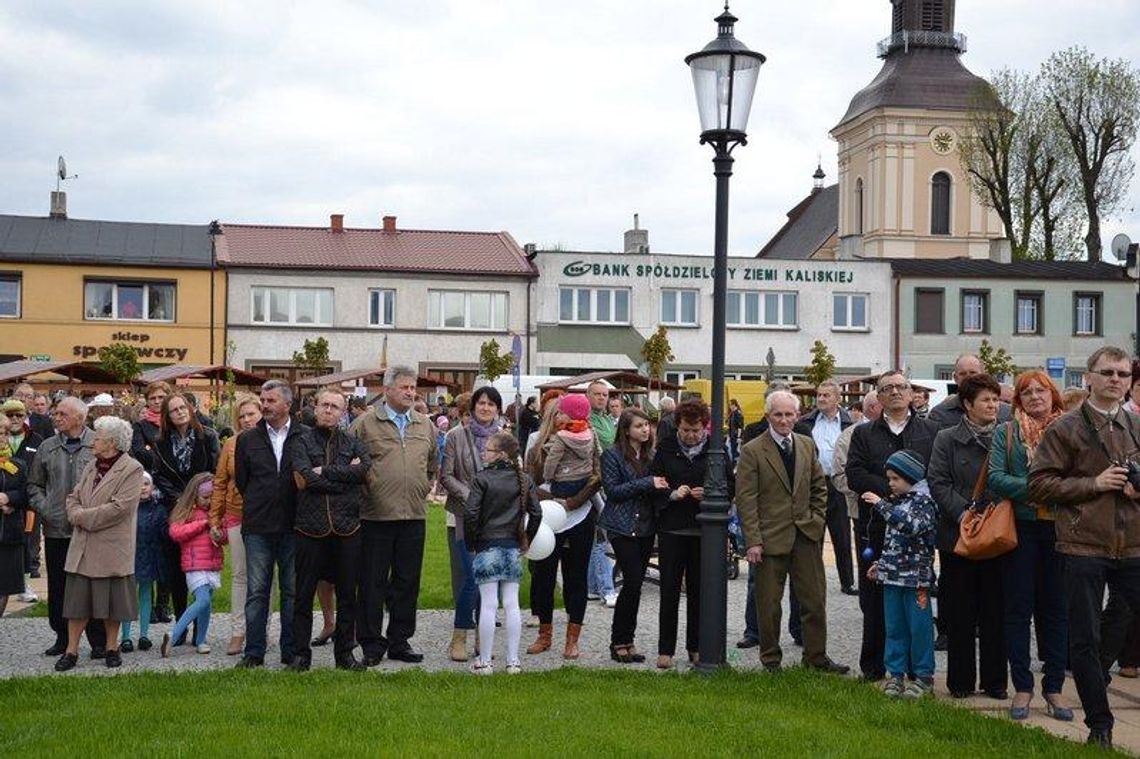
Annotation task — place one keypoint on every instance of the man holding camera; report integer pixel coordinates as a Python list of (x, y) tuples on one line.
[(1086, 465)]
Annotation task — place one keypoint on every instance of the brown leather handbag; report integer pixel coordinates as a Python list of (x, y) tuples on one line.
[(987, 529)]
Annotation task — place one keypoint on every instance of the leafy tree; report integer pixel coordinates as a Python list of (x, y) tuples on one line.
[(314, 355), (120, 360), (822, 365), (492, 363), (657, 352), (997, 361)]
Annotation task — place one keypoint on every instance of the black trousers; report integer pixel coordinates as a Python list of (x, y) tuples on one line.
[(32, 546), (871, 601), (1085, 579), (391, 561), (175, 583), (55, 557), (1119, 634), (573, 552), (972, 606), (837, 529), (679, 558), (632, 555), (336, 557)]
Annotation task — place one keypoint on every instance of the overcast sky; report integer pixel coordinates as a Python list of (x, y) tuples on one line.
[(555, 121)]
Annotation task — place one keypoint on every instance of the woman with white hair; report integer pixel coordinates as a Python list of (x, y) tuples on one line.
[(100, 566)]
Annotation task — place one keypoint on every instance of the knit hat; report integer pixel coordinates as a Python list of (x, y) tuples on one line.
[(12, 405), (907, 464), (575, 406), (442, 422)]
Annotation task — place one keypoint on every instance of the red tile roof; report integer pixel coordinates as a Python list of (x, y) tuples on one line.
[(406, 250)]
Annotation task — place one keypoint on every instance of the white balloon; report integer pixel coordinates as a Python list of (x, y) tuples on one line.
[(553, 515), (542, 545)]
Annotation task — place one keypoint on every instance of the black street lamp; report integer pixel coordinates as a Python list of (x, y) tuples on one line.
[(724, 77)]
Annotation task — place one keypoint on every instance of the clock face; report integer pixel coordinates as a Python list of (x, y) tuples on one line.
[(943, 140)]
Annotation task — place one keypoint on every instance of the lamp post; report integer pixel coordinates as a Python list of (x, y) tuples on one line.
[(724, 77)]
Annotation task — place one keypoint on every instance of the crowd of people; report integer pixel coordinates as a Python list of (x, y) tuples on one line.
[(135, 510)]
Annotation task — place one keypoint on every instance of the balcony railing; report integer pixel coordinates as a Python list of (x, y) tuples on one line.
[(908, 39)]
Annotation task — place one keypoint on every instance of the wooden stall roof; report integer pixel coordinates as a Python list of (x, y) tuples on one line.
[(423, 380), (622, 381), (14, 371), (184, 371)]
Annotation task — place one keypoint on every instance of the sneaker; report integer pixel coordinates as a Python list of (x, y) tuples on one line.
[(893, 687), (203, 648), (916, 689), (29, 597), (479, 668), (611, 600), (592, 596), (514, 668)]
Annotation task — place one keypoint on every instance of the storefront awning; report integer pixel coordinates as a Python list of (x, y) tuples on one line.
[(14, 371), (217, 372)]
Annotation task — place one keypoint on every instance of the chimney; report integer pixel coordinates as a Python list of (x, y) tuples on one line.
[(637, 239), (58, 204), (390, 224), (1001, 251), (336, 222)]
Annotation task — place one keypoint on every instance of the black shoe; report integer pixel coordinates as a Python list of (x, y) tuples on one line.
[(830, 667), (1101, 738), (849, 591), (350, 663), (1000, 694), (154, 620), (145, 644), (747, 643), (98, 652), (66, 662), (322, 640), (941, 642), (126, 646), (57, 648), (299, 664), (371, 660), (162, 616), (113, 660), (774, 668), (799, 642), (961, 693), (34, 574), (288, 660), (249, 662), (405, 655)]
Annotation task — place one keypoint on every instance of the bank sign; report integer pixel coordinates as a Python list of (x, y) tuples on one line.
[(690, 272)]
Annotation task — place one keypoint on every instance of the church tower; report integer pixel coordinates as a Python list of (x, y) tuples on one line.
[(902, 190)]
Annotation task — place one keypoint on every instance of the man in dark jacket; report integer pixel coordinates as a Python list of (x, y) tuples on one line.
[(41, 424), (824, 424), (264, 476), (1082, 466), (950, 411), (329, 467), (871, 445)]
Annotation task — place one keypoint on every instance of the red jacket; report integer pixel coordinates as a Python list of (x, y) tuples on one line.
[(199, 552)]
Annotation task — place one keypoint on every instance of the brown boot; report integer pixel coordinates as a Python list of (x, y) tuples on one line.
[(572, 633), (543, 641), (458, 649)]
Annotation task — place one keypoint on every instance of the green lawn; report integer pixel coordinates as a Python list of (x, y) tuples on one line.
[(565, 712), (435, 584)]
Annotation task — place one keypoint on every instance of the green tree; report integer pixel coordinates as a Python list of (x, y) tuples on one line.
[(314, 355), (492, 363), (997, 361), (120, 360), (657, 352), (822, 366)]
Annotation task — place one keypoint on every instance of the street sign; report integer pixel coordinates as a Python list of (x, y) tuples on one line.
[(39, 357), (516, 370)]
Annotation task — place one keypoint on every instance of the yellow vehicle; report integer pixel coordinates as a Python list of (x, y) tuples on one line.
[(748, 393)]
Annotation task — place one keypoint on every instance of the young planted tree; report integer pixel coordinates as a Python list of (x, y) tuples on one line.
[(313, 356), (657, 352), (997, 361), (822, 365), (492, 363), (120, 360)]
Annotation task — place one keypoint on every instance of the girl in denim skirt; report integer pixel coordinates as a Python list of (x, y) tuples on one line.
[(500, 519)]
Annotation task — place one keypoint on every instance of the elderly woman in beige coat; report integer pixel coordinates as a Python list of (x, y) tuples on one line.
[(102, 510)]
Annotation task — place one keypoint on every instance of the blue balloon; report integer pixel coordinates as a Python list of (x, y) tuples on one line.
[(868, 554)]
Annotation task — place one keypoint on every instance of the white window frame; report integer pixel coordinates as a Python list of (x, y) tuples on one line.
[(115, 285), (848, 307), (381, 293), (739, 320), (676, 319), (438, 319), (18, 281), (1033, 300), (611, 294), (981, 313), (1093, 301), (266, 292)]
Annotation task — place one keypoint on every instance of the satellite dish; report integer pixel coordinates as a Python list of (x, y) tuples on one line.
[(63, 170)]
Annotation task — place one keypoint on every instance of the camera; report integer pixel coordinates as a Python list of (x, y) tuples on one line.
[(1133, 472)]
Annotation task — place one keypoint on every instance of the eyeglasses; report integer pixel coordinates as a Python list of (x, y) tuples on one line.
[(899, 388), (1109, 373), (15, 414)]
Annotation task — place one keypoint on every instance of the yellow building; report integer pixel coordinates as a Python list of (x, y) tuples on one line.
[(69, 287)]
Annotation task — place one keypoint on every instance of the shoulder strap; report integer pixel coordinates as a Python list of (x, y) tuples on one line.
[(983, 473)]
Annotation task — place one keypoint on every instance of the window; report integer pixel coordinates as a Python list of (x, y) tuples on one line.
[(940, 204), (849, 311), (975, 311), (593, 305), (679, 307), (1027, 314), (1074, 378), (1086, 314), (678, 378), (381, 308), (457, 309), (929, 311), (858, 206), (761, 309), (9, 297), (292, 305), (144, 301), (932, 15)]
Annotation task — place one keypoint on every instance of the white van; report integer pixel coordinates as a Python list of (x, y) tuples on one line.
[(939, 388), (528, 385)]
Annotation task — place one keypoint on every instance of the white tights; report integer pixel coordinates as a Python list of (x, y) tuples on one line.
[(489, 604)]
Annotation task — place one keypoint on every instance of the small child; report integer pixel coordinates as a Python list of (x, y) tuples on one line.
[(202, 558), (442, 425), (906, 569), (572, 457), (500, 519), (149, 561)]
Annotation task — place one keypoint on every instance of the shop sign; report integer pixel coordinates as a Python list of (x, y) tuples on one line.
[(691, 272)]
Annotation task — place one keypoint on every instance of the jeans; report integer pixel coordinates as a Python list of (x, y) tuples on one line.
[(1034, 591), (600, 576), (463, 585), (910, 632), (751, 624), (337, 557), (199, 612), (1085, 579), (392, 558), (262, 553), (572, 549), (632, 554), (145, 589)]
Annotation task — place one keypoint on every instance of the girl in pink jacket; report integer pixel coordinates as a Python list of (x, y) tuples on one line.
[(202, 558)]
